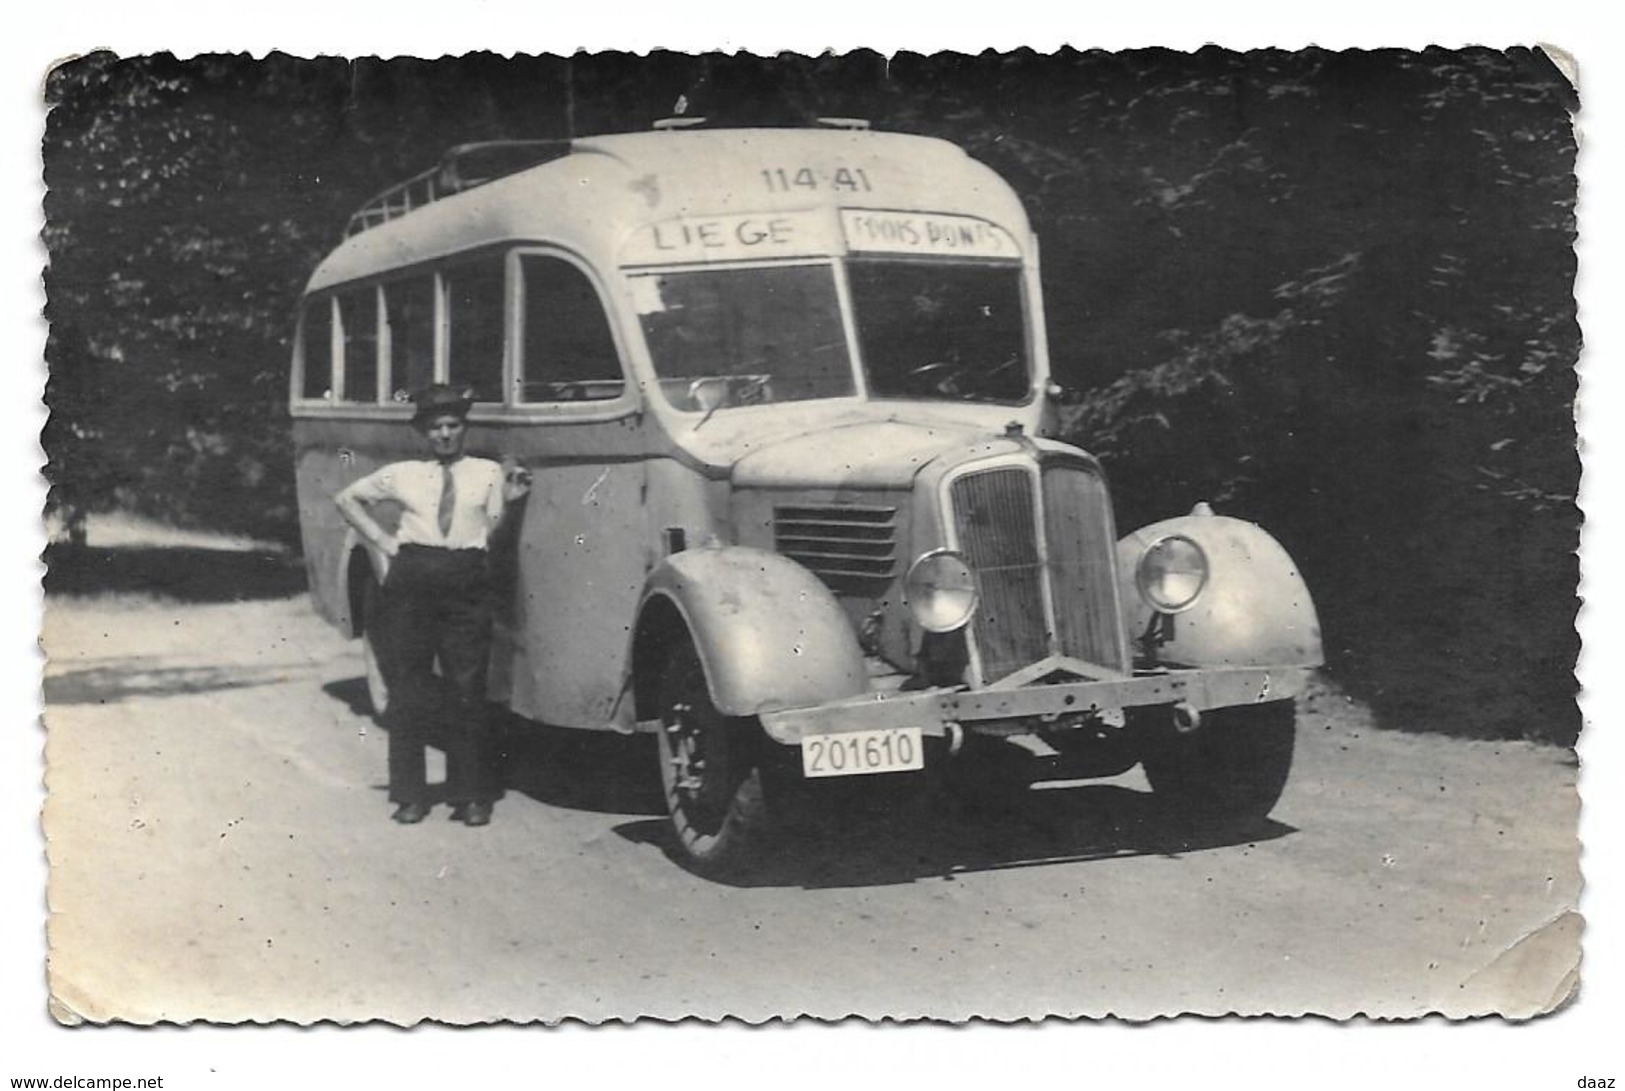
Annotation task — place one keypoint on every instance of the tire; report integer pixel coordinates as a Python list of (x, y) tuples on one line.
[(1231, 769), (709, 772), (374, 656)]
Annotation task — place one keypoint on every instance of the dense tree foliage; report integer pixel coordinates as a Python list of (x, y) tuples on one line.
[(1328, 291)]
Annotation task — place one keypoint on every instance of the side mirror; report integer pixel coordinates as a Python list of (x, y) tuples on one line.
[(1051, 423), (708, 394)]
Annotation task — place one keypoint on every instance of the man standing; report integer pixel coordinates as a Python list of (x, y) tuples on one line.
[(437, 602)]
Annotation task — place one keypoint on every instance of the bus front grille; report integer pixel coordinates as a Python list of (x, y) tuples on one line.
[(1082, 542), (1042, 547), (997, 521)]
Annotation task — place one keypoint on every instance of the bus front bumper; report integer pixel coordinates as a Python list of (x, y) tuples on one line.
[(940, 712)]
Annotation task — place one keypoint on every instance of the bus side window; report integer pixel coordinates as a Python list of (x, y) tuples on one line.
[(316, 351), (476, 312), (409, 316), (569, 353), (358, 318)]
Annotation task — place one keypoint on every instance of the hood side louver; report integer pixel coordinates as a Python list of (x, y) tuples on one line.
[(842, 544)]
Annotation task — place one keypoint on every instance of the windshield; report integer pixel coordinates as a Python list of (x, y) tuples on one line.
[(724, 337), (930, 330), (927, 330)]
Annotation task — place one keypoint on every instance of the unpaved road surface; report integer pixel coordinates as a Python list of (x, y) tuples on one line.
[(220, 849)]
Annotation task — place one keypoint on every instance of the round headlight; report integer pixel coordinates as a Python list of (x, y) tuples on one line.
[(1172, 573), (940, 590)]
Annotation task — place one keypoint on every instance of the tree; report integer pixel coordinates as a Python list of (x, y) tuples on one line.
[(1328, 291)]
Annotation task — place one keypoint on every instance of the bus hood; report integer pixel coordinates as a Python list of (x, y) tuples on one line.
[(871, 454)]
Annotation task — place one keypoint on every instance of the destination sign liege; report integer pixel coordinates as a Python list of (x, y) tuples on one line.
[(753, 236)]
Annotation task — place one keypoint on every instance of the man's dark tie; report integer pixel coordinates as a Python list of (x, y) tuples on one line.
[(448, 499)]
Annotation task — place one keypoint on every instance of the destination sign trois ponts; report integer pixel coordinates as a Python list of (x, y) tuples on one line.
[(758, 236), (925, 233)]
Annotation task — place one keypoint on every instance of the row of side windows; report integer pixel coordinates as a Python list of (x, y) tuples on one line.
[(377, 342)]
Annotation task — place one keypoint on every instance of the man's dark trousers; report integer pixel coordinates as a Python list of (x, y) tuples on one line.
[(437, 603)]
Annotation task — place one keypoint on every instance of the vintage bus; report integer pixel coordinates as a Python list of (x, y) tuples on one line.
[(783, 394)]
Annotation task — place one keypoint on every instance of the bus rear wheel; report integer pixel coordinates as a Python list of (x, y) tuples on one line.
[(709, 771), (373, 655)]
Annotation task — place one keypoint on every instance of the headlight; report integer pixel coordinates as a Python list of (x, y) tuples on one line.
[(940, 590), (1172, 573)]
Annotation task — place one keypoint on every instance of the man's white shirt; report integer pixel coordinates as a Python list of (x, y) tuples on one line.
[(417, 486)]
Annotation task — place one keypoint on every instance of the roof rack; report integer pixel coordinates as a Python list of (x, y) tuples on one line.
[(667, 123), (462, 168), (687, 121)]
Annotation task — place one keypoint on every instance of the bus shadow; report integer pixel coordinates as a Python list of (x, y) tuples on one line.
[(860, 831), (595, 771), (582, 770), (891, 840)]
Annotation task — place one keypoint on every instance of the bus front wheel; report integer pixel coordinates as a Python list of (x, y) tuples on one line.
[(709, 771)]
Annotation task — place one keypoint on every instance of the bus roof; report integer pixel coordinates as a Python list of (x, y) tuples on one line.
[(593, 199)]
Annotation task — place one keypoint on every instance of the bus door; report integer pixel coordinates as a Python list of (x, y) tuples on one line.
[(582, 545)]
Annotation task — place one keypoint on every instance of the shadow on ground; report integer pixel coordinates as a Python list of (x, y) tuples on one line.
[(901, 837), (182, 573), (352, 693), (101, 685), (858, 832), (582, 770)]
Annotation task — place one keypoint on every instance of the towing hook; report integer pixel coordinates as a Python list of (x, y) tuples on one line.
[(956, 737), (1186, 718)]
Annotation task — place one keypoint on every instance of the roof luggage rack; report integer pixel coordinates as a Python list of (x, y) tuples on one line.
[(695, 121), (462, 168)]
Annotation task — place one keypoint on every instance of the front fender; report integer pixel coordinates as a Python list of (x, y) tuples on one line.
[(769, 634), (1255, 610)]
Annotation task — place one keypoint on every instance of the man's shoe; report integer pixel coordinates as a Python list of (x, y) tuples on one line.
[(409, 814), (477, 814)]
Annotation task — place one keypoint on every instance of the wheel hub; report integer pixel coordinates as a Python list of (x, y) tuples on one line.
[(687, 763)]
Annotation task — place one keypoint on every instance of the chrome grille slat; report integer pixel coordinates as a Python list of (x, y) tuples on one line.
[(813, 545), (867, 539), (838, 554), (838, 513)]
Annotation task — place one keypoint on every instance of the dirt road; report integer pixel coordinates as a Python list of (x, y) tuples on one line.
[(220, 849)]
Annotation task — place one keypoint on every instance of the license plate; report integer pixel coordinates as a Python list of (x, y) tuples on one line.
[(891, 750)]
